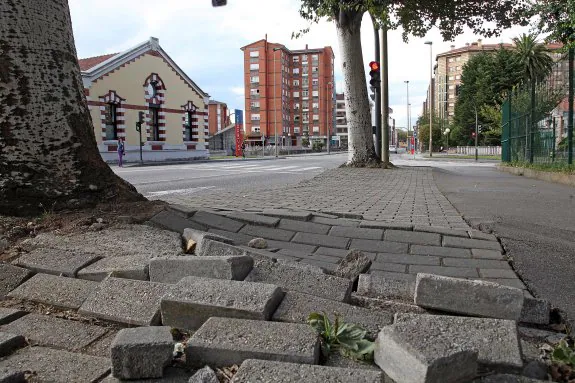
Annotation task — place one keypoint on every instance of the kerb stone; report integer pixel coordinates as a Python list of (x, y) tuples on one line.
[(11, 277), (10, 342), (56, 261), (228, 341), (199, 237), (471, 297), (173, 269), (126, 301), (253, 370), (373, 285), (194, 300), (128, 267), (68, 293), (141, 353)]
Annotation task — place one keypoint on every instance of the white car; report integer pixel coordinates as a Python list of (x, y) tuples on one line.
[(393, 149)]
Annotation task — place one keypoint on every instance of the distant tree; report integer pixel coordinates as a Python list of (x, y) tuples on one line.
[(556, 19), (402, 135), (533, 58), (423, 132)]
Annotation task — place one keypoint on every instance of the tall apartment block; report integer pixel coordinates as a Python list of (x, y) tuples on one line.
[(291, 92), (218, 116), (341, 120)]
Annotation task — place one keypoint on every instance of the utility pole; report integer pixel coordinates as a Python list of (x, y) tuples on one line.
[(328, 132), (377, 94), (407, 115), (476, 135), (571, 95), (276, 103), (384, 97), (431, 89)]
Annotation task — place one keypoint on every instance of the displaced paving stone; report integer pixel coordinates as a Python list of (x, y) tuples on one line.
[(540, 335), (126, 301), (470, 243), (173, 269), (239, 239), (57, 262), (429, 358), (413, 237), (267, 232), (440, 251), (204, 375), (50, 365), (308, 227), (340, 253), (386, 225), (487, 254), (378, 246), (469, 297), (456, 272), (254, 370), (377, 286), (229, 341), (128, 267), (321, 240), (254, 219), (218, 249), (11, 277), (63, 292), (184, 211), (194, 300), (355, 232), (55, 332), (535, 311), (495, 340), (258, 243), (170, 220), (194, 240), (354, 264), (290, 214), (10, 342), (336, 221), (476, 234), (8, 315), (296, 279), (141, 353), (260, 255), (296, 307), (441, 230), (217, 221), (511, 282), (345, 214)]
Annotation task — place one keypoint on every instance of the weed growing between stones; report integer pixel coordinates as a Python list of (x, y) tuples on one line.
[(348, 339), (563, 358)]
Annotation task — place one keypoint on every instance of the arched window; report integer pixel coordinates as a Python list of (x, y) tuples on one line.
[(112, 115), (154, 90)]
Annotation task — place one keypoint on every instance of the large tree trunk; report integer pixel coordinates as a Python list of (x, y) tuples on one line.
[(48, 153), (361, 146)]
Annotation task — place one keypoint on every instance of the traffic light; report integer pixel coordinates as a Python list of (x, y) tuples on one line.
[(375, 75), (219, 3)]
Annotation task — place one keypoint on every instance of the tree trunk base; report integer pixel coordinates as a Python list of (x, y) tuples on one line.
[(371, 164)]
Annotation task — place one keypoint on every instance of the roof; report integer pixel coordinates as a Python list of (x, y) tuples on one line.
[(475, 47), (283, 47), (215, 102), (94, 67)]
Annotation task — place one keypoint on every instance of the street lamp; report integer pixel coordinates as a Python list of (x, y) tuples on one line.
[(328, 133), (446, 134), (275, 104), (407, 112), (430, 43)]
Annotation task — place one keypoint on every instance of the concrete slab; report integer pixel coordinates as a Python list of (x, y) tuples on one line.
[(379, 246), (8, 315), (194, 300), (217, 221), (321, 240), (50, 365), (197, 237), (290, 214), (381, 286), (171, 375), (204, 375), (63, 292), (352, 265), (54, 332), (253, 219), (296, 307), (173, 269), (470, 243), (292, 278), (128, 267), (253, 370), (228, 341), (174, 221), (218, 249), (10, 342), (11, 277), (56, 262), (126, 301), (413, 237), (308, 227), (470, 297)]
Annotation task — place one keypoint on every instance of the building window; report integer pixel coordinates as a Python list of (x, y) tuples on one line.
[(255, 129), (255, 79), (457, 77), (451, 104), (314, 69), (296, 59), (254, 66), (315, 93), (155, 120), (316, 117), (255, 104), (305, 93), (255, 117), (254, 92), (316, 105), (296, 129), (304, 58), (188, 128), (314, 57), (111, 122), (315, 82), (451, 78), (316, 129), (458, 58), (305, 82), (295, 82), (451, 86), (296, 94), (295, 70), (255, 54), (451, 59)]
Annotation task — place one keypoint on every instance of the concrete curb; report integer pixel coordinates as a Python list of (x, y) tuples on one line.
[(560, 178), (187, 162)]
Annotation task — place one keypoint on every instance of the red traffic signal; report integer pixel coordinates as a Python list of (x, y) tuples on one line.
[(374, 65), (374, 74), (472, 134)]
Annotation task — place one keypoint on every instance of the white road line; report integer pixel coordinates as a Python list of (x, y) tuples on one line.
[(178, 191), (304, 169)]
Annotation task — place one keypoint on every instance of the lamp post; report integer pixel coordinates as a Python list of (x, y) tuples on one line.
[(328, 133), (275, 105), (446, 134), (430, 43), (407, 120), (476, 134)]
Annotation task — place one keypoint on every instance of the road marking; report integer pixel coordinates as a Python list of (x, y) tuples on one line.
[(312, 168), (178, 191)]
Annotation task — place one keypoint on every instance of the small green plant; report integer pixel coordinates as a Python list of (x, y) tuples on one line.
[(563, 353), (348, 339), (305, 142)]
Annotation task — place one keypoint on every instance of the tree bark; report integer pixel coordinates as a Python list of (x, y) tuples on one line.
[(48, 153), (361, 146)]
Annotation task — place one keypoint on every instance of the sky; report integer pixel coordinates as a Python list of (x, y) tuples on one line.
[(205, 42)]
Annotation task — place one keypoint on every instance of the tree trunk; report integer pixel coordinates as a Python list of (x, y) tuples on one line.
[(48, 153), (361, 146)]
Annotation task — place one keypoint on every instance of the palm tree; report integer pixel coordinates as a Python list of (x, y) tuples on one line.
[(48, 153), (532, 58)]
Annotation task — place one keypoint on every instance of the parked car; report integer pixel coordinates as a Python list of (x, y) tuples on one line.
[(393, 149)]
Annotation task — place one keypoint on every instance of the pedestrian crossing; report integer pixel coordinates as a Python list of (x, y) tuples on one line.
[(231, 168)]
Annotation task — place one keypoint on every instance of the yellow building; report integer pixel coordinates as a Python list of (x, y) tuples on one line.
[(145, 79)]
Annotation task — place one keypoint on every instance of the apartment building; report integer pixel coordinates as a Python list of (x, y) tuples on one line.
[(291, 92), (218, 116), (341, 120)]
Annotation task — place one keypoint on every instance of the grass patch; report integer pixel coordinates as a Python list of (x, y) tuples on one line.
[(554, 167)]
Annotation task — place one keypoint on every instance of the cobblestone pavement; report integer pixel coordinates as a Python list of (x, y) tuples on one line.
[(403, 195)]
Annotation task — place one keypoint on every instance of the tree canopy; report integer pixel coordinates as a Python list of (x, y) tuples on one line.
[(557, 18)]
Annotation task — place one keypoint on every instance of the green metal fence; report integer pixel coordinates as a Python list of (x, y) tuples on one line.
[(536, 117)]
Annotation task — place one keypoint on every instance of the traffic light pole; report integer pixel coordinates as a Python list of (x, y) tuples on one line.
[(384, 97), (377, 96)]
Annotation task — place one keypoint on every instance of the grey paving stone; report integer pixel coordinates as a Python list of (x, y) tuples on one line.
[(171, 375), (264, 255), (328, 267), (219, 249), (55, 332), (417, 238), (407, 259), (254, 219), (468, 297), (184, 211), (7, 376), (506, 378), (352, 265), (427, 359), (10, 342), (481, 263), (194, 239), (51, 365), (290, 214), (321, 240), (217, 221), (8, 315), (129, 267), (497, 273), (267, 232), (292, 278), (385, 287), (336, 222), (296, 307), (170, 220), (323, 215), (440, 251), (57, 262), (126, 301), (173, 269), (393, 275), (476, 234), (535, 311), (378, 246), (512, 282), (460, 272), (340, 253), (254, 370), (386, 225), (229, 341), (441, 230), (308, 227), (392, 267), (63, 292), (345, 214), (195, 299), (305, 249), (322, 258), (354, 232), (487, 254), (239, 239), (470, 243), (204, 375), (495, 340), (11, 277), (141, 353), (540, 335)]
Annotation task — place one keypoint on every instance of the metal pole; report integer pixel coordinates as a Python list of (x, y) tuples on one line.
[(554, 138), (377, 95), (275, 107), (408, 140), (431, 89), (384, 97), (140, 142), (570, 122), (328, 133), (476, 134)]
